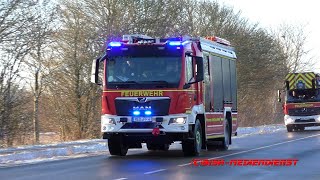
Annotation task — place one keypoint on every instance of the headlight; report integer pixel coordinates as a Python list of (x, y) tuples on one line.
[(106, 120), (179, 120)]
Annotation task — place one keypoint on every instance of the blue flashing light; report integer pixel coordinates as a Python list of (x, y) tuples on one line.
[(115, 44), (175, 43), (136, 113), (147, 113)]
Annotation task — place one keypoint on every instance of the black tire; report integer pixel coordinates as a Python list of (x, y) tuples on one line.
[(289, 128), (221, 143), (225, 142), (151, 147), (193, 147), (302, 128), (164, 147), (117, 147)]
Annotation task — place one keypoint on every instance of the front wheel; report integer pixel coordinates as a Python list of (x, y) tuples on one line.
[(193, 146), (289, 128), (117, 146)]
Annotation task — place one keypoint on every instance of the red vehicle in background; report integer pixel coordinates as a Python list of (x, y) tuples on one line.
[(158, 91), (302, 101)]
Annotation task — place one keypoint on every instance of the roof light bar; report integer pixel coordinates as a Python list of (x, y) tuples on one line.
[(114, 44), (175, 43), (218, 40)]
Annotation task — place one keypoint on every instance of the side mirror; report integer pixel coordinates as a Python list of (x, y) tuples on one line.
[(95, 71), (279, 96), (199, 67), (317, 82), (186, 86), (287, 85)]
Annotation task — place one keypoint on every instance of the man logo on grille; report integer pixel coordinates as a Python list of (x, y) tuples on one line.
[(142, 100), (304, 109)]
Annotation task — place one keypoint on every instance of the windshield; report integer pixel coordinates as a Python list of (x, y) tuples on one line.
[(143, 72), (306, 95)]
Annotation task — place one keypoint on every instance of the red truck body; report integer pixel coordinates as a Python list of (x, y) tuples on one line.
[(197, 104)]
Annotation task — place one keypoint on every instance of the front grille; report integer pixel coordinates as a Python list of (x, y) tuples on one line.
[(304, 121), (304, 111), (141, 125), (158, 107)]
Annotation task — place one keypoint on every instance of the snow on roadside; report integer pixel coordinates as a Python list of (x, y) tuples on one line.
[(31, 147), (265, 129), (82, 148), (50, 151)]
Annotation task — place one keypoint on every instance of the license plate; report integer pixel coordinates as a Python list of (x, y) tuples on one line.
[(142, 119)]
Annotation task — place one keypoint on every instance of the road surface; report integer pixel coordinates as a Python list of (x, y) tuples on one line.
[(142, 164)]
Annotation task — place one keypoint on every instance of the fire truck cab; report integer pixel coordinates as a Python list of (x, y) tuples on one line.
[(158, 91), (302, 100)]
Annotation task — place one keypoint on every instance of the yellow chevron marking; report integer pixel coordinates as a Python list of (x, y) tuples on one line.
[(294, 78)]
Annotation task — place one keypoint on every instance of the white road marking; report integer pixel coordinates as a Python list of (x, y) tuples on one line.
[(181, 165), (263, 147), (152, 172), (121, 178)]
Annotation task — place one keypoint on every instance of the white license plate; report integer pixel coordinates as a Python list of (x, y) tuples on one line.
[(142, 119)]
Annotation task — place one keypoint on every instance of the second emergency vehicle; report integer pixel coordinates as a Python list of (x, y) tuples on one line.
[(302, 100)]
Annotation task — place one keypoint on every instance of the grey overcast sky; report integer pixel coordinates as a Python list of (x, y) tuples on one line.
[(271, 13)]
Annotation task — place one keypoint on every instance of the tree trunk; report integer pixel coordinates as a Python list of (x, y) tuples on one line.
[(36, 109)]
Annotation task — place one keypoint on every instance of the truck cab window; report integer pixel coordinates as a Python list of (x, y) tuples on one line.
[(189, 69)]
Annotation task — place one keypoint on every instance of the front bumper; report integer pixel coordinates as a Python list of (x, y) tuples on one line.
[(131, 127), (302, 120)]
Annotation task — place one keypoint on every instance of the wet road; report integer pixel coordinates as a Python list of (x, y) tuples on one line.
[(143, 164)]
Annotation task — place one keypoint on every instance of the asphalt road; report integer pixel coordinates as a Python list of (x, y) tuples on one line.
[(142, 164)]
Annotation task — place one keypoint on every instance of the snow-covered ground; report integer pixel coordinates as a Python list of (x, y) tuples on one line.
[(81, 148), (265, 129)]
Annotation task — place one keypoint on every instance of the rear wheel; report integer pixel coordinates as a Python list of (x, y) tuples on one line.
[(193, 146), (289, 128), (226, 140), (221, 143), (117, 146)]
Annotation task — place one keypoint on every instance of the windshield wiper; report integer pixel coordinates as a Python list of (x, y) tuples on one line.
[(160, 82), (124, 84), (130, 82)]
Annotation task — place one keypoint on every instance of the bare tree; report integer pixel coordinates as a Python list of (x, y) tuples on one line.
[(57, 56), (14, 46), (293, 39), (40, 56)]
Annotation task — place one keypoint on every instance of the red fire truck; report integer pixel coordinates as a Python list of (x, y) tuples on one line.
[(302, 100), (158, 91)]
